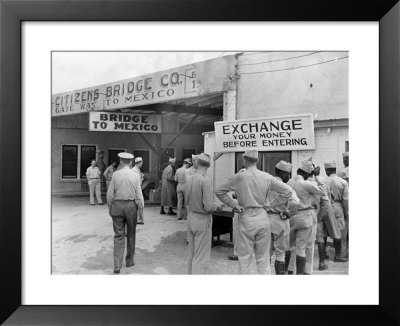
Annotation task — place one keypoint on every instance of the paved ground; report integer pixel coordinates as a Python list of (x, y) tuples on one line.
[(83, 243)]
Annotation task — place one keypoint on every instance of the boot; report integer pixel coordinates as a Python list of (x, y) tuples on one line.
[(338, 251), (279, 267), (287, 260), (162, 212), (300, 265), (171, 212), (321, 252), (326, 248)]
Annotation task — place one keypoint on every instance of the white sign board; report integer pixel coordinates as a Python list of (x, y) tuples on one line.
[(125, 122), (196, 79), (286, 133)]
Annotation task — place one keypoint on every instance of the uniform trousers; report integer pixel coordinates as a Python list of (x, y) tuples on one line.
[(94, 187), (254, 235), (308, 269), (280, 230), (124, 212), (199, 247), (328, 226), (235, 226), (343, 225), (180, 191), (301, 230)]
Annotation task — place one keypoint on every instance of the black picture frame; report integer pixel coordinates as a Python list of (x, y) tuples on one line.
[(13, 13)]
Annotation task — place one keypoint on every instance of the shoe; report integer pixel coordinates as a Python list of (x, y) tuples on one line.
[(140, 222), (171, 213), (233, 257), (279, 267), (322, 266), (117, 270), (93, 204), (130, 264), (101, 204), (162, 213), (290, 272), (339, 259)]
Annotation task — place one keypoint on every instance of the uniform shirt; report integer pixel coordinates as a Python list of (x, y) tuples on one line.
[(344, 174), (136, 169), (189, 172), (168, 173), (290, 207), (109, 172), (101, 165), (340, 191), (322, 203), (180, 175), (93, 173), (251, 188), (305, 191), (125, 185), (199, 196)]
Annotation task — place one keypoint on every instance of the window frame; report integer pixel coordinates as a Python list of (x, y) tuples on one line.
[(78, 161), (150, 157)]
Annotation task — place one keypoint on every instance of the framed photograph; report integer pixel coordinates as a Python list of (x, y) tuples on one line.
[(152, 152)]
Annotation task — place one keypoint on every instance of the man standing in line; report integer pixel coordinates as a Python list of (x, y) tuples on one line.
[(199, 201), (136, 169), (102, 167), (301, 224), (180, 177), (344, 174), (109, 172), (280, 214), (124, 198), (254, 230), (190, 171), (93, 177), (340, 192), (168, 191)]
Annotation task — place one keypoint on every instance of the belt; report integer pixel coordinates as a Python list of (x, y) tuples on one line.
[(93, 178), (271, 212), (337, 201), (305, 209)]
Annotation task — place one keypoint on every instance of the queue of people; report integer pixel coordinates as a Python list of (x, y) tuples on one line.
[(278, 214)]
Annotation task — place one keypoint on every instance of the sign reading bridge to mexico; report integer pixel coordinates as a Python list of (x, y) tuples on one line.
[(284, 133), (125, 122)]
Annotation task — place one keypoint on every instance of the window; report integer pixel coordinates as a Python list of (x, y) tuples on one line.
[(145, 155), (75, 159), (187, 153), (169, 152), (69, 162), (346, 146), (88, 153), (266, 160), (113, 156)]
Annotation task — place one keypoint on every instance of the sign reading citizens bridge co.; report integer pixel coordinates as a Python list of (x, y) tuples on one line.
[(284, 133), (125, 122)]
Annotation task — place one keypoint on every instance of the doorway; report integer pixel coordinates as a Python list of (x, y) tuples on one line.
[(113, 156)]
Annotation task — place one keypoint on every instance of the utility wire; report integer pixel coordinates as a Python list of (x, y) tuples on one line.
[(290, 58), (253, 53), (304, 66)]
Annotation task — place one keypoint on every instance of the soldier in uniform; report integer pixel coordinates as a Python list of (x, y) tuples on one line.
[(254, 229), (199, 201), (136, 169), (102, 167), (124, 197), (168, 190), (190, 171), (340, 192), (280, 214), (180, 177), (344, 174), (301, 224), (109, 172)]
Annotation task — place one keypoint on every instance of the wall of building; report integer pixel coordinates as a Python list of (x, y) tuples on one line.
[(321, 89)]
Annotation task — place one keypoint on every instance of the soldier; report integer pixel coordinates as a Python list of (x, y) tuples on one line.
[(124, 197), (136, 168), (344, 174), (168, 191), (93, 177), (109, 172), (254, 233), (301, 224), (102, 167), (340, 192), (199, 201), (190, 171), (180, 177), (279, 214)]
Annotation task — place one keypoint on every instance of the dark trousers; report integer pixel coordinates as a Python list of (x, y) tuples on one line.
[(124, 213)]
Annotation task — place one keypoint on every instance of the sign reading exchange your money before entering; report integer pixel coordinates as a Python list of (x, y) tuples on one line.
[(266, 134), (125, 122)]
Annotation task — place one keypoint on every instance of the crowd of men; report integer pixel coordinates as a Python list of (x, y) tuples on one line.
[(282, 214)]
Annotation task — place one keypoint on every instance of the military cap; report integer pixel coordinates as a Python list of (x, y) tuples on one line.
[(330, 165), (126, 156), (194, 156), (138, 159), (204, 157), (345, 154), (187, 160), (251, 154), (172, 160), (284, 166), (306, 165)]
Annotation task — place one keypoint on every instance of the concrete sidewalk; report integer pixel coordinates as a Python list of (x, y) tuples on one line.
[(82, 243)]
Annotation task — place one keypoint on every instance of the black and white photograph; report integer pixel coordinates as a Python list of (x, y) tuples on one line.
[(231, 162)]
